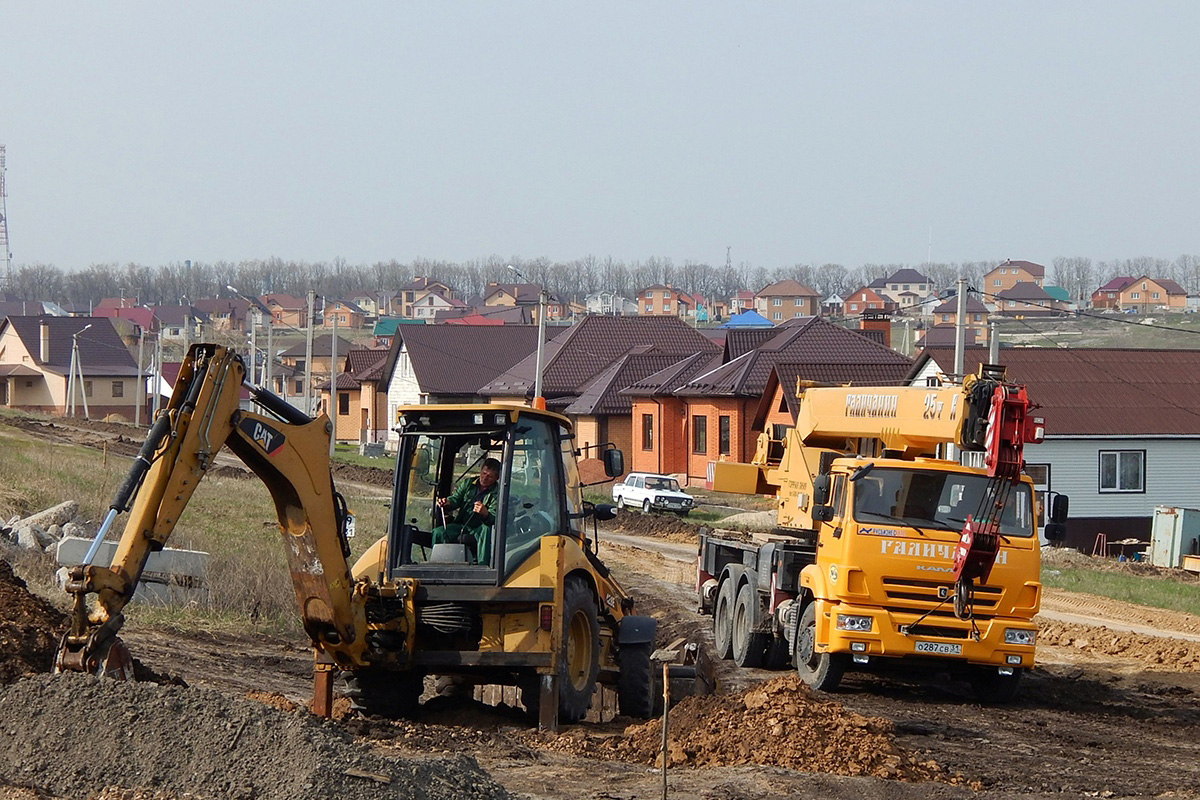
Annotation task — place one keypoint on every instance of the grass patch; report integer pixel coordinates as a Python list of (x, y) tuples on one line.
[(348, 454), (1144, 590)]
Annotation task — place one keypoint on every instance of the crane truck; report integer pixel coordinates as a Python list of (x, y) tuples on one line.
[(530, 605), (885, 553)]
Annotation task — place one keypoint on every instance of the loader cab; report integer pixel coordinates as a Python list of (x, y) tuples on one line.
[(443, 448)]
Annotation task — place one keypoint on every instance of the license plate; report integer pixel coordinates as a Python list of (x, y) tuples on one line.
[(941, 648)]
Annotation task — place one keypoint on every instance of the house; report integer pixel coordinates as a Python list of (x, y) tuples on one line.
[(230, 314), (1027, 299), (905, 287), (1005, 276), (866, 299), (976, 319), (179, 323), (665, 300), (1122, 430), (412, 292), (1145, 294), (488, 315), (344, 313), (361, 413), (742, 300), (36, 358), (431, 303), (1108, 296), (695, 413), (787, 299), (609, 303), (526, 295), (291, 379), (285, 309), (833, 305), (385, 329), (576, 357), (429, 364)]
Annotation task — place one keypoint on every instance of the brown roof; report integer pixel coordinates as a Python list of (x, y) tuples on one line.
[(831, 374), (1036, 270), (814, 341), (974, 306), (1100, 391), (460, 359), (787, 288), (1026, 291), (666, 381), (366, 365), (742, 340), (101, 351), (604, 394), (322, 347)]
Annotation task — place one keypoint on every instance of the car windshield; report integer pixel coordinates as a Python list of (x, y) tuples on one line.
[(936, 499), (669, 484)]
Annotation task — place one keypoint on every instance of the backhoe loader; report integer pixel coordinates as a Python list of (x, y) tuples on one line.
[(530, 604)]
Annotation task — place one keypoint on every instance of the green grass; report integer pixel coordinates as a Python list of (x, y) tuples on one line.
[(1144, 590), (348, 454)]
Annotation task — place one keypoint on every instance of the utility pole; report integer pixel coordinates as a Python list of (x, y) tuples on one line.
[(308, 354), (157, 376), (187, 325), (254, 316), (269, 358), (333, 370), (141, 379), (5, 255)]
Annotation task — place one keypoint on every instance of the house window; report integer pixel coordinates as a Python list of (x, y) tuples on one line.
[(798, 314), (300, 387), (666, 295), (854, 306), (343, 404), (647, 431), (723, 434), (906, 287), (796, 301), (777, 315), (649, 308), (1154, 295), (649, 295), (700, 435), (118, 389), (777, 301), (1134, 296), (87, 388), (996, 282), (1122, 470), (945, 317), (1143, 287)]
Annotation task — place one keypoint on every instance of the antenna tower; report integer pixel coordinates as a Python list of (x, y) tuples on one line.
[(4, 253)]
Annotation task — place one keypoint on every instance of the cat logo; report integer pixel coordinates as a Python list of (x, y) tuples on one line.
[(266, 437)]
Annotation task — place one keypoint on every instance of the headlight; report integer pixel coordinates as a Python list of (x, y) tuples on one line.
[(1019, 636), (851, 622)]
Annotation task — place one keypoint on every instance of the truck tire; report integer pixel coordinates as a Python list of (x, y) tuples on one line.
[(749, 647), (991, 688), (384, 693), (820, 671), (723, 620), (635, 682), (579, 658)]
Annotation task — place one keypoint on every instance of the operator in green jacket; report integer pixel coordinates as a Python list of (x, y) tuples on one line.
[(469, 513)]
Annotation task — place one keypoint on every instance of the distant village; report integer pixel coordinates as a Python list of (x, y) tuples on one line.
[(675, 380)]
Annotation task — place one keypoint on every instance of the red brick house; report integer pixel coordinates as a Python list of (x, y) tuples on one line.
[(1007, 275), (787, 299), (866, 299)]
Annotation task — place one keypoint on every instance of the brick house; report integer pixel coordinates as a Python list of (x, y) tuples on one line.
[(348, 314), (289, 381), (1027, 299), (285, 309), (1146, 294), (905, 287), (866, 299), (665, 300), (1108, 296), (526, 295), (977, 314), (690, 415), (361, 414), (1007, 275), (787, 299), (411, 293), (35, 367)]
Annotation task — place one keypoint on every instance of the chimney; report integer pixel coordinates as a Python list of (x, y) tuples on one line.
[(878, 321), (45, 340)]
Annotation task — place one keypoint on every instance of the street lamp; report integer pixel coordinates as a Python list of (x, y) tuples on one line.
[(76, 369), (538, 400)]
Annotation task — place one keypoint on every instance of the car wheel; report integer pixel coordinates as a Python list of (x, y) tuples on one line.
[(621, 501), (646, 505)]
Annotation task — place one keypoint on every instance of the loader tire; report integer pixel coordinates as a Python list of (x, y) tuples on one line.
[(749, 647), (580, 655), (723, 620), (384, 693), (820, 671), (636, 693)]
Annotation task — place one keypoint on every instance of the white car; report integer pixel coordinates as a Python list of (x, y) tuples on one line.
[(649, 491)]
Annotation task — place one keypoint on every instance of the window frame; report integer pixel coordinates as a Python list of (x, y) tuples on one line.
[(647, 431), (1117, 489), (724, 434), (118, 389), (700, 434)]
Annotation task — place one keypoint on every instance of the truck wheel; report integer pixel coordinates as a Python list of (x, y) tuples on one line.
[(820, 671), (580, 655), (749, 648), (646, 506), (991, 688), (384, 693), (635, 682), (723, 620)]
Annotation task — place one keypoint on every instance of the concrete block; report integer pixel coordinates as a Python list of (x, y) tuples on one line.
[(55, 515), (171, 577), (28, 537)]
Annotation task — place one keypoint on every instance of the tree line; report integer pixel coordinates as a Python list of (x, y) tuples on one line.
[(178, 282)]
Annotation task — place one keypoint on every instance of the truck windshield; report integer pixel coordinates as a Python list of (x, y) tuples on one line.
[(936, 499)]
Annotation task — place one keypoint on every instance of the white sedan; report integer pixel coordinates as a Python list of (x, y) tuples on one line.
[(649, 491)]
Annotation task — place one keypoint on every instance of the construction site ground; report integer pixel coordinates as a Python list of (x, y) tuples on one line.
[(1112, 710)]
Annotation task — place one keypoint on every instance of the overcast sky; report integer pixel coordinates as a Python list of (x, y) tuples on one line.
[(792, 132)]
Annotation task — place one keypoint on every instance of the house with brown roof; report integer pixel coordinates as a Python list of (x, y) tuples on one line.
[(347, 314), (665, 300), (866, 299), (526, 295), (1122, 430), (1108, 296), (787, 299), (705, 411), (976, 314), (905, 287), (1007, 275), (35, 367), (1145, 294), (433, 302), (230, 314), (361, 413), (579, 361), (412, 292), (1027, 299), (285, 309), (288, 378)]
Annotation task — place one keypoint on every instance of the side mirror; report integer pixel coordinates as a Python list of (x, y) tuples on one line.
[(822, 513), (1059, 508), (1055, 532), (820, 491), (614, 462)]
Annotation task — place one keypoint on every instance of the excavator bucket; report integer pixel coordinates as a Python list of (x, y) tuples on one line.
[(689, 669)]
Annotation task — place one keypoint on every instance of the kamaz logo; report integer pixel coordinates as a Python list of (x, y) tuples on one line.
[(266, 437)]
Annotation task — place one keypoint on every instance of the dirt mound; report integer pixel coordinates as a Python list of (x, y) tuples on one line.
[(777, 723), (372, 476), (662, 526), (70, 735), (1154, 651), (29, 629)]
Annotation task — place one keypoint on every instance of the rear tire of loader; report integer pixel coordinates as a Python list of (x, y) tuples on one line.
[(636, 693), (820, 671), (580, 656), (384, 693), (723, 620), (749, 647)]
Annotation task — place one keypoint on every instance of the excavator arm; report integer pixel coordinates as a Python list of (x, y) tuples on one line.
[(288, 451)]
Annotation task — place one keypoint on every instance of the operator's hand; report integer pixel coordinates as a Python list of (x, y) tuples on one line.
[(443, 502), (479, 508)]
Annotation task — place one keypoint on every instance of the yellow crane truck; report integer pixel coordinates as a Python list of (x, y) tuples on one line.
[(529, 605), (885, 553)]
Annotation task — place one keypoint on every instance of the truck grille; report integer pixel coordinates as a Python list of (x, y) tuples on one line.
[(919, 596)]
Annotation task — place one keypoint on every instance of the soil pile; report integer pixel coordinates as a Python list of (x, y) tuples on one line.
[(662, 526), (777, 723), (1154, 651), (29, 629), (70, 735)]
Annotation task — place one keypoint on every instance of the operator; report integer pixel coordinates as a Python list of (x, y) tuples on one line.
[(474, 502)]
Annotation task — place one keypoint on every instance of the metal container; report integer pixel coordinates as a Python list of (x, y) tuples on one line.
[(1175, 533)]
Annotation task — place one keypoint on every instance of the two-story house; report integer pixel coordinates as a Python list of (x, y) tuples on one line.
[(1145, 294), (1008, 274), (285, 310), (906, 288), (976, 315), (787, 299), (346, 314), (524, 295), (866, 299), (412, 292), (664, 300), (1026, 299)]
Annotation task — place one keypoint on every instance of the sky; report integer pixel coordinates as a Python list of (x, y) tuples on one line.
[(777, 132)]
